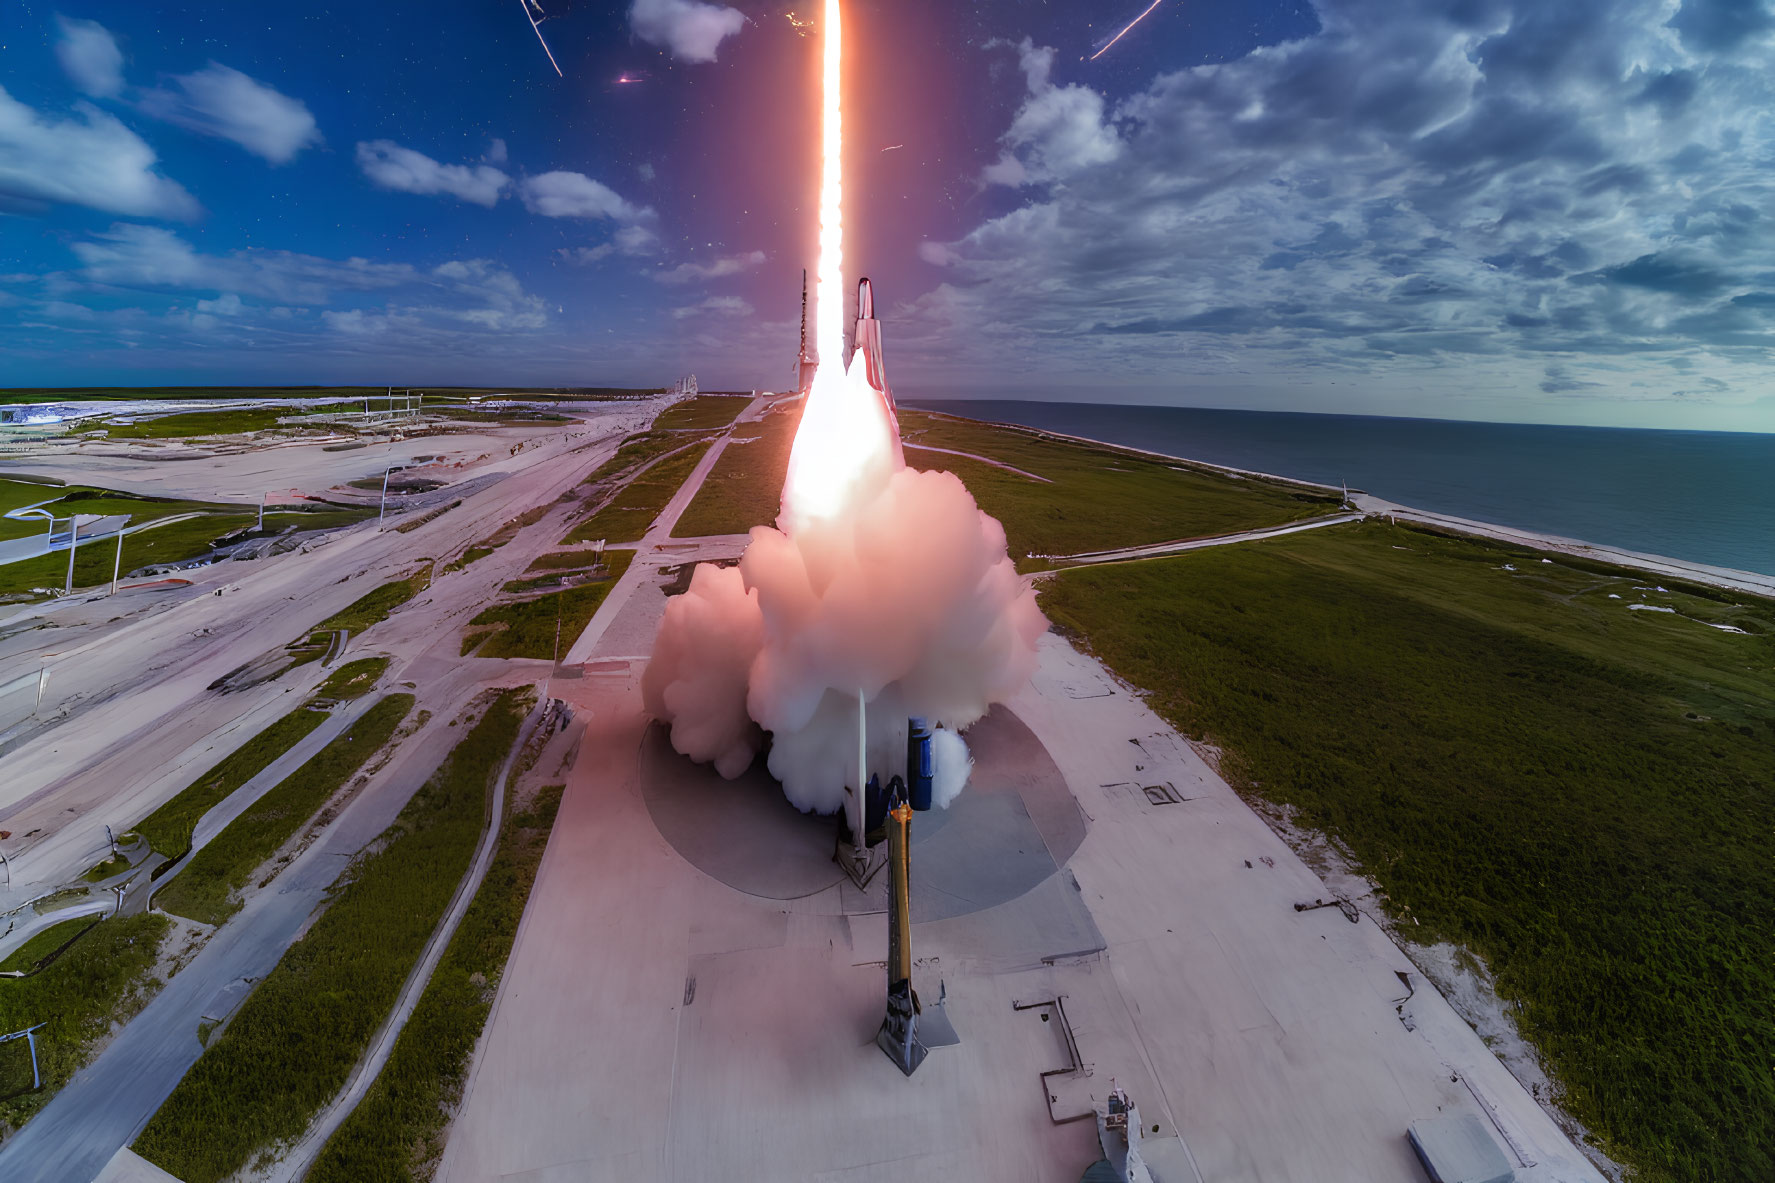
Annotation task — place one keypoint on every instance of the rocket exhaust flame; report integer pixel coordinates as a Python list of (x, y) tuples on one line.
[(883, 593), (847, 443)]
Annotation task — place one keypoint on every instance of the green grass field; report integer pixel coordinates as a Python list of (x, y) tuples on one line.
[(704, 413), (397, 1131), (168, 829), (1580, 793), (43, 944), (194, 424), (527, 629), (563, 560), (176, 542), (293, 1042), (374, 606), (745, 488), (632, 511), (15, 494), (94, 562), (354, 679), (207, 888), (105, 977), (65, 501), (1100, 498), (630, 455)]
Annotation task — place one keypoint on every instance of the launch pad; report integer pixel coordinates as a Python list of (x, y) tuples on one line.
[(698, 997), (1014, 828)]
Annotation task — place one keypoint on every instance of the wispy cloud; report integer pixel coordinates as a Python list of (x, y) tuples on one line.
[(718, 268), (564, 194), (93, 160), (390, 166), (223, 102), (714, 306), (89, 55)]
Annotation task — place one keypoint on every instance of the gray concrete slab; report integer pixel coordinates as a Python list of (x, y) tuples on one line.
[(983, 850), (1264, 1043)]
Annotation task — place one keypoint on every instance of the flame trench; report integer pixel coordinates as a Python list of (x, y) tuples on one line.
[(880, 583)]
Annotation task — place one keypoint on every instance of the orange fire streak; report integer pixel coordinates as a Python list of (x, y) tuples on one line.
[(844, 446)]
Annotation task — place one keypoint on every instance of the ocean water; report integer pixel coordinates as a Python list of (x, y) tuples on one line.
[(1708, 497)]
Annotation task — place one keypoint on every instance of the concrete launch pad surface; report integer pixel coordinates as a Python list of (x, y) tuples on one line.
[(987, 848), (657, 1022)]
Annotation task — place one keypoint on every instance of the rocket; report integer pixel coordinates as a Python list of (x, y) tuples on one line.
[(899, 1035), (866, 354)]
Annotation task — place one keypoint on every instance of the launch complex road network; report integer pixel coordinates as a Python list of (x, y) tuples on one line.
[(617, 785)]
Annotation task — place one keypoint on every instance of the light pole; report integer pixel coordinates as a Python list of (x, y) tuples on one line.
[(73, 544), (391, 469), (42, 680), (117, 566)]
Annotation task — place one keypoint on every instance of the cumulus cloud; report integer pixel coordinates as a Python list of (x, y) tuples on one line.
[(715, 305), (691, 30), (222, 102), (1059, 130), (718, 268), (390, 166), (90, 57), (1416, 186), (93, 161), (497, 300), (574, 195)]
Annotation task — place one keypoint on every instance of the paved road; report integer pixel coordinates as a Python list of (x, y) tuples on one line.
[(134, 719), (296, 1163), (1154, 550), (108, 1102)]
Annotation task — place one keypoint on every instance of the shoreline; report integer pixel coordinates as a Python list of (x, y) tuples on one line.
[(1721, 578)]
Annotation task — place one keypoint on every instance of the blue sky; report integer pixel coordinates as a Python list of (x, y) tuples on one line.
[(1455, 208)]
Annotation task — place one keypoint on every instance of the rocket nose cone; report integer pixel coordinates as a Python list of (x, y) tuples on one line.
[(865, 300)]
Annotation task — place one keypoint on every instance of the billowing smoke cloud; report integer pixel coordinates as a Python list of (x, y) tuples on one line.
[(907, 598)]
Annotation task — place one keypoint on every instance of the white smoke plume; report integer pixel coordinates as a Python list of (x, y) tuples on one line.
[(907, 596), (884, 591)]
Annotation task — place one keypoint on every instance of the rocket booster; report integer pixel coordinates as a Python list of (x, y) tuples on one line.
[(867, 355)]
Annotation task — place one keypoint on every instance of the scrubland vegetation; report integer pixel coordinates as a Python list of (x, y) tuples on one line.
[(1579, 792), (292, 1044)]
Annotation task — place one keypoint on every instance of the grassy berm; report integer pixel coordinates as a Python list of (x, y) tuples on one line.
[(528, 628), (745, 487), (208, 887), (104, 977), (396, 1134), (168, 829), (705, 412), (292, 1044), (1580, 793), (633, 509)]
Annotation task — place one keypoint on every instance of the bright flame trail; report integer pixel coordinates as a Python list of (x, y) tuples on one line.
[(846, 444), (882, 590), (1125, 29)]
